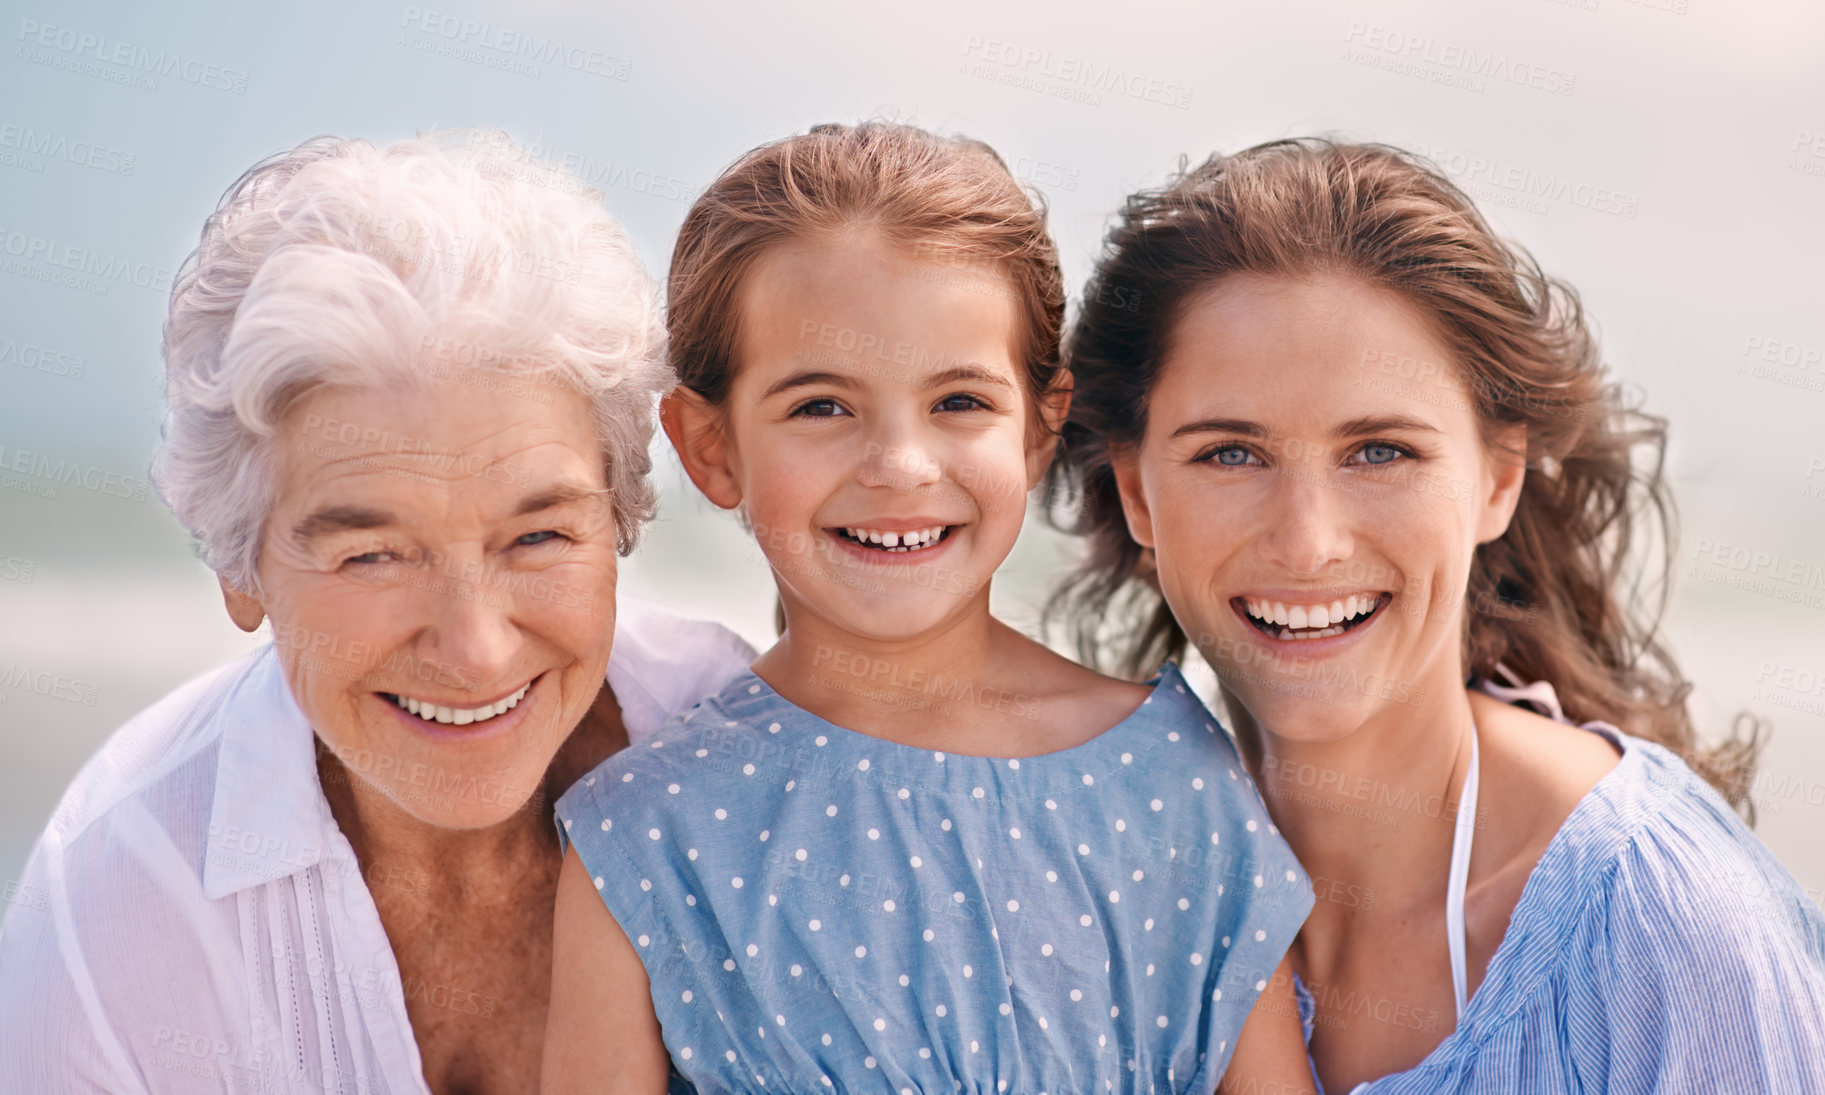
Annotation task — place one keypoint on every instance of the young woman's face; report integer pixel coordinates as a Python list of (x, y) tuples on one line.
[(878, 435), (1313, 484)]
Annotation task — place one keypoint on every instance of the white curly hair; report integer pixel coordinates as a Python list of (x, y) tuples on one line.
[(337, 263)]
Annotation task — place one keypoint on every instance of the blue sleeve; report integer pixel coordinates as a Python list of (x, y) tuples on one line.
[(1707, 970), (599, 816)]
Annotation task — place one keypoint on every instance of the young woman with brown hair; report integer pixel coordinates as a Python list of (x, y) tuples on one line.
[(1361, 454)]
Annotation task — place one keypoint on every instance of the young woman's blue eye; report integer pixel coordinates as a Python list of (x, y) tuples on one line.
[(1230, 456), (961, 401), (1378, 453), (818, 408)]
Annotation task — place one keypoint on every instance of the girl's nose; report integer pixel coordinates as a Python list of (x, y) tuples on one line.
[(900, 463)]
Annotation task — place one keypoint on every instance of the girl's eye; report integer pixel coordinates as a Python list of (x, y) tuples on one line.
[(818, 408), (1377, 452), (543, 536), (1230, 456), (961, 401)]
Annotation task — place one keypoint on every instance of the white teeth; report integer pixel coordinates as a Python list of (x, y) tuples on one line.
[(1320, 620), (897, 541), (462, 716)]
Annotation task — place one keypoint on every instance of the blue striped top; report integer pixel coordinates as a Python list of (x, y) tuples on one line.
[(1658, 946)]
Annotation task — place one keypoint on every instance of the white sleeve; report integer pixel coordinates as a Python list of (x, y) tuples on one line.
[(55, 1037)]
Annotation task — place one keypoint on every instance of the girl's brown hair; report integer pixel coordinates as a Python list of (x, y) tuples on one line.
[(1552, 588), (949, 200)]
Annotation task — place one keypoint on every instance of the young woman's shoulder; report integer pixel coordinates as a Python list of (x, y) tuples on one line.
[(1534, 770), (1693, 934)]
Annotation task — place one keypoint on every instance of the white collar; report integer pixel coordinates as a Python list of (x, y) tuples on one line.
[(269, 818)]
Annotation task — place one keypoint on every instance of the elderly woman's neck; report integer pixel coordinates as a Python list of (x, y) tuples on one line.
[(388, 839)]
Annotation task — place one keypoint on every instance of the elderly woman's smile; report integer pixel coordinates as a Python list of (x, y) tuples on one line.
[(440, 562)]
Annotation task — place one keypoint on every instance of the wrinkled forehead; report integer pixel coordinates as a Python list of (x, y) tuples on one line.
[(417, 439)]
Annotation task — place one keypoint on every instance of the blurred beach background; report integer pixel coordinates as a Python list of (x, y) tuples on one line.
[(1667, 157)]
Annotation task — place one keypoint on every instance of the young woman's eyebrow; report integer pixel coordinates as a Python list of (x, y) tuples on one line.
[(1355, 427), (1223, 425), (1387, 423)]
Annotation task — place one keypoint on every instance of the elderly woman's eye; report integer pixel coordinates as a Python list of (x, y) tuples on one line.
[(540, 537), (369, 557)]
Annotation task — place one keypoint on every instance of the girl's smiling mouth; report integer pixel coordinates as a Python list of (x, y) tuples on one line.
[(1307, 617), (902, 540)]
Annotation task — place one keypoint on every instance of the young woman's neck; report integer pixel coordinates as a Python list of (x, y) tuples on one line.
[(1375, 808)]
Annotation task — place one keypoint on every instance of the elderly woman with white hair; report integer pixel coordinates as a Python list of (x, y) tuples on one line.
[(411, 391)]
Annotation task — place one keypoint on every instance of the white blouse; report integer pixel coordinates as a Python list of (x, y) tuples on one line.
[(193, 920)]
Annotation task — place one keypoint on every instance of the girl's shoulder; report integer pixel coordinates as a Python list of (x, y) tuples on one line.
[(696, 747)]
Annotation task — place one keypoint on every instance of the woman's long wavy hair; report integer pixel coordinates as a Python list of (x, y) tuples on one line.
[(1575, 607)]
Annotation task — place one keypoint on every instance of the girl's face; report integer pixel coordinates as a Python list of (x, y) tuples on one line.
[(878, 437), (1314, 486)]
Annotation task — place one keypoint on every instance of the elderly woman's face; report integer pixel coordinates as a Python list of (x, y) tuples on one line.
[(439, 568), (1314, 485)]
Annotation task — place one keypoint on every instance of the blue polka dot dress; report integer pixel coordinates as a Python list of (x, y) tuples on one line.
[(818, 909)]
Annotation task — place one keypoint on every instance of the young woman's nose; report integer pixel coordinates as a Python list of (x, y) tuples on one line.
[(1308, 522)]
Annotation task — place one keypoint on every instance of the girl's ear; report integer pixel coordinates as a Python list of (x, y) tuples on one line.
[(700, 435), (1504, 468), (1052, 409)]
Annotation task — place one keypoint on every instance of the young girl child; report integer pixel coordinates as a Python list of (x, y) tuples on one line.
[(912, 850)]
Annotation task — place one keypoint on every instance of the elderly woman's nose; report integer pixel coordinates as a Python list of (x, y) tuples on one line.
[(1307, 521), (471, 635)]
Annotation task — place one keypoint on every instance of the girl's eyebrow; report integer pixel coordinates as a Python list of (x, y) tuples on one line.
[(800, 380), (970, 372), (974, 372)]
